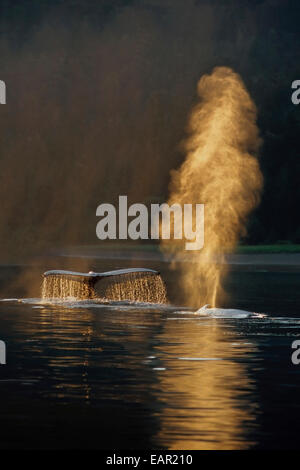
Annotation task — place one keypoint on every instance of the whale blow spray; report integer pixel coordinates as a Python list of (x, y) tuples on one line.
[(220, 171)]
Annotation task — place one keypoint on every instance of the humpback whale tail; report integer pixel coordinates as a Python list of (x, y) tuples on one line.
[(135, 284)]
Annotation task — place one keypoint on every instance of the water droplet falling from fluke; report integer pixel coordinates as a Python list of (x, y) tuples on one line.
[(135, 284)]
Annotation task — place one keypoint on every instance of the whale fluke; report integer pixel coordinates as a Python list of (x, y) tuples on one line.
[(133, 284)]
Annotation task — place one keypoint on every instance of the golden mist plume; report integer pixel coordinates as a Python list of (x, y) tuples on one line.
[(220, 171)]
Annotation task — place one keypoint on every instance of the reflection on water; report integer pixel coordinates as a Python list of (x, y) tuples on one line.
[(86, 374), (210, 400)]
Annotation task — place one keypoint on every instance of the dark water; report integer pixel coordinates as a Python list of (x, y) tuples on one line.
[(134, 376)]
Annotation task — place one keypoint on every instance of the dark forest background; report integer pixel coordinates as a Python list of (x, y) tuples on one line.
[(98, 96)]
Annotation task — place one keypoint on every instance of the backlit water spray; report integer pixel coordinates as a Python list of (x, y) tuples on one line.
[(222, 172)]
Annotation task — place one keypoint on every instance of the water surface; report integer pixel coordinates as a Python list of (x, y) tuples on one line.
[(86, 375)]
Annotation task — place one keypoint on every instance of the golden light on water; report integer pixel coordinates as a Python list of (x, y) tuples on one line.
[(211, 398), (222, 172)]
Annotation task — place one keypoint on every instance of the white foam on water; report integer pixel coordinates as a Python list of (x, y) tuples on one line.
[(112, 305), (180, 313), (183, 312)]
